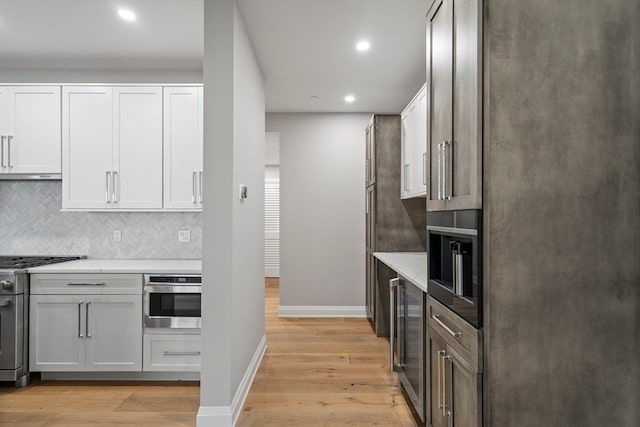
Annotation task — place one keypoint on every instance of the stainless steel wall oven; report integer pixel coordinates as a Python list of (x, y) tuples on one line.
[(172, 301), (454, 242)]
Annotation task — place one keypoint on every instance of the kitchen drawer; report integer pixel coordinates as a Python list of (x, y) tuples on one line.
[(173, 353), (463, 337), (86, 284)]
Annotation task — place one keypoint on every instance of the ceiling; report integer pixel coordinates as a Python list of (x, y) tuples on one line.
[(305, 48)]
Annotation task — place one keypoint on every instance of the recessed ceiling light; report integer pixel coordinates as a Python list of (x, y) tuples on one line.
[(349, 98), (363, 45), (127, 15)]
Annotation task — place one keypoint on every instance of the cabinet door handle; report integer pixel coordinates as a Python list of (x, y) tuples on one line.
[(80, 319), (2, 150), (200, 186), (86, 284), (406, 177), (447, 187), (443, 385), (393, 284), (440, 171), (86, 320), (440, 379), (193, 187), (5, 303), (181, 353), (424, 168), (106, 186), (9, 139), (116, 186), (456, 335)]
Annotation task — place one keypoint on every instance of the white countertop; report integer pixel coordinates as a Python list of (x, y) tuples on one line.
[(152, 266), (410, 265)]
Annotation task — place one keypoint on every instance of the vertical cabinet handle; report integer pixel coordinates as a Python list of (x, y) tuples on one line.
[(442, 382), (80, 304), (447, 187), (86, 320), (200, 187), (366, 203), (406, 177), (106, 186), (2, 151), (393, 285), (440, 171), (193, 187), (9, 139), (424, 168), (116, 186)]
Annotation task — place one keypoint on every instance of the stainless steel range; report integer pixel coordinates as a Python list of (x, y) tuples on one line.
[(14, 314)]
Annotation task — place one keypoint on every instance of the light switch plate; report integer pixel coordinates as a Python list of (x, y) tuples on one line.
[(184, 236), (117, 235), (243, 192)]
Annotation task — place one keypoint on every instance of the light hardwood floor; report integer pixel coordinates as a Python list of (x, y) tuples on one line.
[(316, 372)]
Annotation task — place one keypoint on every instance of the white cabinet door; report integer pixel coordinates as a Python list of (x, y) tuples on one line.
[(114, 333), (56, 333), (137, 148), (183, 138), (87, 126), (30, 129), (413, 167)]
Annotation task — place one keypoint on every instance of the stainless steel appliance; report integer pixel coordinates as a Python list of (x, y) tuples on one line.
[(407, 339), (14, 314), (172, 301), (454, 242)]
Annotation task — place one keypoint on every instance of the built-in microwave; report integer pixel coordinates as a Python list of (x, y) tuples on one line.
[(454, 250), (172, 301)]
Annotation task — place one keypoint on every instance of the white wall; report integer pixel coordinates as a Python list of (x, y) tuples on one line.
[(233, 282), (322, 196)]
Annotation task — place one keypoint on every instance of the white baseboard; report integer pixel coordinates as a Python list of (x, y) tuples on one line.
[(227, 416), (321, 311)]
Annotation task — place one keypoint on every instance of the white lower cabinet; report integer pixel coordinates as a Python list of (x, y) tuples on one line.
[(85, 333), (171, 353)]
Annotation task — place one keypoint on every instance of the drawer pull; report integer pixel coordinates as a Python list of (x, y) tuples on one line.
[(456, 335), (86, 284), (181, 353)]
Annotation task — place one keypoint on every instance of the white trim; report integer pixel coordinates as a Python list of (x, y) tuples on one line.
[(227, 416), (321, 311)]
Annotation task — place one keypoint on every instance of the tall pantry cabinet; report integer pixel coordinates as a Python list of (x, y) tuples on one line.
[(392, 224), (557, 176)]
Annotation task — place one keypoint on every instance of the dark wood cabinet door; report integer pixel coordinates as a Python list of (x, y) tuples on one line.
[(454, 86), (436, 348), (464, 391)]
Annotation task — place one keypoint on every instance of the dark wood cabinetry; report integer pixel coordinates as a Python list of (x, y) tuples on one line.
[(392, 224), (454, 79)]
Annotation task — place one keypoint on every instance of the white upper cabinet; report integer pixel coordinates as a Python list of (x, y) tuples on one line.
[(30, 130), (112, 148), (183, 137), (414, 147)]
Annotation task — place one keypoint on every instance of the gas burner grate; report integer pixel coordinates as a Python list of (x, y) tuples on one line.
[(21, 262)]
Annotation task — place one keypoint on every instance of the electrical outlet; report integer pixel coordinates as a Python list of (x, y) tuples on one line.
[(117, 235), (184, 236)]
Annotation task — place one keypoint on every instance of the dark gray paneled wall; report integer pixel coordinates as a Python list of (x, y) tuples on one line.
[(31, 224), (562, 213)]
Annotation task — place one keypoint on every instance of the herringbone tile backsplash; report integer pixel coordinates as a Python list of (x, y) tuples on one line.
[(31, 224)]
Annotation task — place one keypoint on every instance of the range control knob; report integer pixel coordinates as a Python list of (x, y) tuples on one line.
[(5, 284)]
